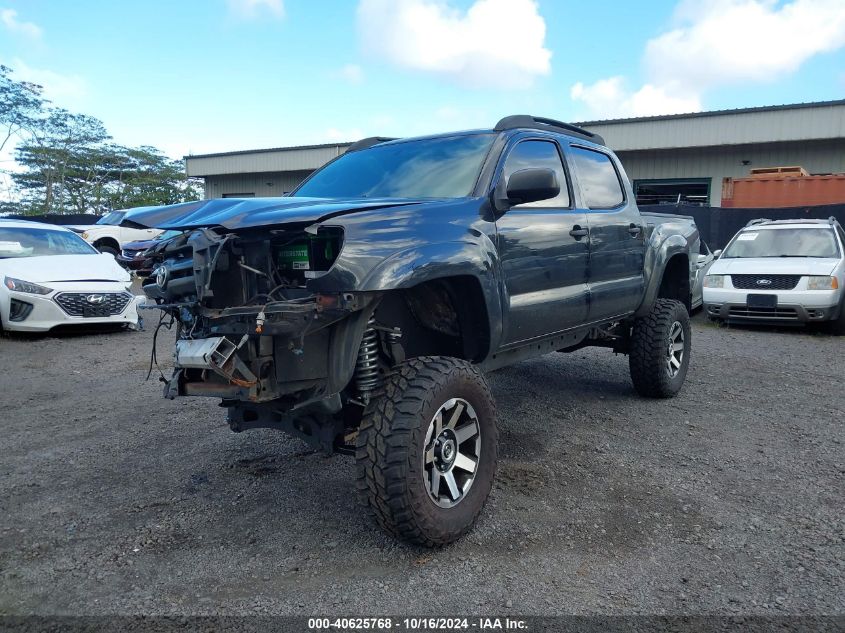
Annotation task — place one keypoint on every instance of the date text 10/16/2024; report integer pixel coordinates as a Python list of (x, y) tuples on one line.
[(416, 624)]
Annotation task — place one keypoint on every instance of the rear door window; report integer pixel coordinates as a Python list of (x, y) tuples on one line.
[(599, 180)]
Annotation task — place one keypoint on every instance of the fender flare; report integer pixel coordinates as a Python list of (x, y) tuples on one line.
[(408, 268), (656, 261), (427, 262)]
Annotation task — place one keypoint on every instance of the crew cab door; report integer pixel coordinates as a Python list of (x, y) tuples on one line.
[(543, 250), (617, 234)]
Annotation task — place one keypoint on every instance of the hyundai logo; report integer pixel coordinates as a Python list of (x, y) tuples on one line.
[(764, 282), (95, 300), (161, 276)]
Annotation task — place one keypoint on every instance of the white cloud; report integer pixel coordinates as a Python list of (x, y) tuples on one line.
[(720, 43), (67, 91), (9, 19), (612, 98), (249, 9), (351, 73), (498, 43), (728, 41)]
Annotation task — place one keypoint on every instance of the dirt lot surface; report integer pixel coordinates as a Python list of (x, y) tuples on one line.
[(728, 499)]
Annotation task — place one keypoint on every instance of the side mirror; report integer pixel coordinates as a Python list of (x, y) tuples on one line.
[(716, 253), (531, 185)]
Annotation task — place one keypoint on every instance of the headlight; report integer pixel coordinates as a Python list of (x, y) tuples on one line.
[(19, 285), (714, 281), (822, 283)]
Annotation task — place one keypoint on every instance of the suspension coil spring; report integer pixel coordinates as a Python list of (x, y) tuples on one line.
[(367, 376)]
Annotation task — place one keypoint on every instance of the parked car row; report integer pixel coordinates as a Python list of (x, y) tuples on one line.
[(771, 272)]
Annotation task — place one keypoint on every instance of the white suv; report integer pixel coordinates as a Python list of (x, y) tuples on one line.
[(108, 236), (785, 271)]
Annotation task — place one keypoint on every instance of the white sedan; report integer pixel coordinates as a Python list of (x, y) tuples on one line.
[(51, 277)]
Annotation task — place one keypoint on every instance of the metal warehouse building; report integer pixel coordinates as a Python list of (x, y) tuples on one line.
[(671, 158)]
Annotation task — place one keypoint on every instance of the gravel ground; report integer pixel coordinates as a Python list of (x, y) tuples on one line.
[(727, 499)]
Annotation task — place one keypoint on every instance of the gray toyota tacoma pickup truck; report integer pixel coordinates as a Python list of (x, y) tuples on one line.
[(360, 312)]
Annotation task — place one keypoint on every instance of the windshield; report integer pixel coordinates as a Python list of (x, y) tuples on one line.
[(114, 218), (446, 167), (786, 242), (35, 242)]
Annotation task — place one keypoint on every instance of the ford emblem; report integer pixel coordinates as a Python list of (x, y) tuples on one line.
[(764, 282)]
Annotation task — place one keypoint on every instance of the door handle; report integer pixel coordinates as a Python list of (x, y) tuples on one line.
[(577, 232), (634, 230)]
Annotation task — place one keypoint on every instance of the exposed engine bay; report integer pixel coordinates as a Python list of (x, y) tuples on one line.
[(245, 319)]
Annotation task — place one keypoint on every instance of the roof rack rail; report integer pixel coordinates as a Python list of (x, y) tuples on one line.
[(541, 123), (758, 221), (832, 219), (364, 143)]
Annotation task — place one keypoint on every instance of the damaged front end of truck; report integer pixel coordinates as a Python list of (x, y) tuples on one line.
[(294, 311), (251, 332)]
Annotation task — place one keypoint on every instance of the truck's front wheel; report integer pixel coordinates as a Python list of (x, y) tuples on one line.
[(660, 350), (426, 450)]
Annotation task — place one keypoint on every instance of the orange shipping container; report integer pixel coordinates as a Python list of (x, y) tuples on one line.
[(779, 190)]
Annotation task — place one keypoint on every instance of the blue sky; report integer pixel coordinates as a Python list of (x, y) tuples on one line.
[(196, 76)]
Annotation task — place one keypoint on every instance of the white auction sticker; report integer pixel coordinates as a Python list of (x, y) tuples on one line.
[(747, 237)]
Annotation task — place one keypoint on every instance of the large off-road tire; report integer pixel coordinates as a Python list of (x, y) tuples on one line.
[(660, 350), (426, 450)]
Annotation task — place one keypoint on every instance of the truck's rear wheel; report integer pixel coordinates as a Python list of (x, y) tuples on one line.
[(660, 350), (426, 450)]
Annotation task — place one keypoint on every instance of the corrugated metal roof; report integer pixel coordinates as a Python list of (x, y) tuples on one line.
[(282, 159), (691, 115), (269, 149), (744, 126), (748, 126)]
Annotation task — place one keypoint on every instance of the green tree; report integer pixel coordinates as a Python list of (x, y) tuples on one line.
[(71, 165), (67, 161), (150, 178), (21, 107)]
